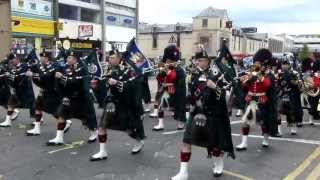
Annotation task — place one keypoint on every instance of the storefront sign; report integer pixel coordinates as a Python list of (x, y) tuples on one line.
[(85, 31), (81, 45), (34, 26), (36, 7)]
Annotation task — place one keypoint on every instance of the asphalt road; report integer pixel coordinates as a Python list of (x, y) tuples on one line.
[(28, 158)]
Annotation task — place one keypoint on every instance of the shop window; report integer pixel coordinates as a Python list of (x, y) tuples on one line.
[(68, 12)]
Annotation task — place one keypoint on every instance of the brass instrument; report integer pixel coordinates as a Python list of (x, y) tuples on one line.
[(307, 87), (163, 67)]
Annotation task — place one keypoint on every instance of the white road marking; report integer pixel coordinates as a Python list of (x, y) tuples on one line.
[(172, 132), (304, 141)]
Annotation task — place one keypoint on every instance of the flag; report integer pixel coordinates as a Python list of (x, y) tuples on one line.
[(94, 65), (135, 58)]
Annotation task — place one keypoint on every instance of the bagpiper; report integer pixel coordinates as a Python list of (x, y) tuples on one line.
[(261, 99), (4, 86), (123, 105), (48, 100), (73, 84), (171, 88), (21, 91), (289, 97), (208, 125)]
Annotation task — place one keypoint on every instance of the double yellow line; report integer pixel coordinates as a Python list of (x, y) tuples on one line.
[(315, 174)]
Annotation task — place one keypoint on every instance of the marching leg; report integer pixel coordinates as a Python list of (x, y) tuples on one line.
[(183, 172), (218, 163), (93, 136), (102, 154), (36, 129), (244, 141), (279, 127), (7, 122), (15, 114), (160, 125), (58, 140), (68, 126), (155, 111), (265, 141)]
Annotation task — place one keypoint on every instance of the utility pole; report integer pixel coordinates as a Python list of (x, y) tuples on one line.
[(103, 22), (5, 28), (137, 19)]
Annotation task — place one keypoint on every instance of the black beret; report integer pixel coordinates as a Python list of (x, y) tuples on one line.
[(264, 56), (11, 56), (306, 64), (316, 66), (113, 52), (74, 53), (171, 52), (201, 54), (45, 54)]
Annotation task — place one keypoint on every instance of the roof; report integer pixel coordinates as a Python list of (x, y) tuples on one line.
[(213, 12), (164, 28)]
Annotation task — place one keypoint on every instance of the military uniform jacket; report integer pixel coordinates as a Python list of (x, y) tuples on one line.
[(44, 77), (75, 86), (22, 85), (126, 97), (179, 98), (4, 88), (215, 110)]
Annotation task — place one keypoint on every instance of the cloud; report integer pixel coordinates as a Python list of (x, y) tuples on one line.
[(280, 13)]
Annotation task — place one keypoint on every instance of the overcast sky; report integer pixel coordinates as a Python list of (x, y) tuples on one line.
[(272, 16)]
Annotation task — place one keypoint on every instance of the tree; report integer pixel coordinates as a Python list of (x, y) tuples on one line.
[(305, 53)]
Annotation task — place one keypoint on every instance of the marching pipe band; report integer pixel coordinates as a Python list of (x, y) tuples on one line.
[(198, 99)]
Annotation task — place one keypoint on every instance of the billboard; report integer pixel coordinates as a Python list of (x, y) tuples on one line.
[(35, 7)]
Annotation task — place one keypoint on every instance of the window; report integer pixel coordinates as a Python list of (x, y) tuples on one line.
[(89, 15), (68, 12), (205, 42), (154, 40), (220, 23), (204, 23)]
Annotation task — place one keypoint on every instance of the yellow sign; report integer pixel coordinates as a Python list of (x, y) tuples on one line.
[(81, 45), (34, 26)]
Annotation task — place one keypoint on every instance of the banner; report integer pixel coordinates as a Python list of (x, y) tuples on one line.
[(34, 26), (36, 7)]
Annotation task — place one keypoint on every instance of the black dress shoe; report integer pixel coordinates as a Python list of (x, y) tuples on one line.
[(54, 144), (241, 149), (92, 140), (154, 129), (97, 159), (32, 134), (265, 146), (217, 174)]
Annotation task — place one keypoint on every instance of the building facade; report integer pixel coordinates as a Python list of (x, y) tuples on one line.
[(80, 23), (35, 27), (210, 28), (311, 40)]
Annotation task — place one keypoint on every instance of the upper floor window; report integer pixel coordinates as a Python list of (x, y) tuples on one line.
[(204, 23)]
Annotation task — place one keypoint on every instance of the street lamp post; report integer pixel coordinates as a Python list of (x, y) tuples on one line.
[(103, 22)]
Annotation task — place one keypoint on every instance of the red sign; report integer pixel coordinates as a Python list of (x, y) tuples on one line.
[(85, 31)]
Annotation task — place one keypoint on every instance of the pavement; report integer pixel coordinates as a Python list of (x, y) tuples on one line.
[(28, 158)]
